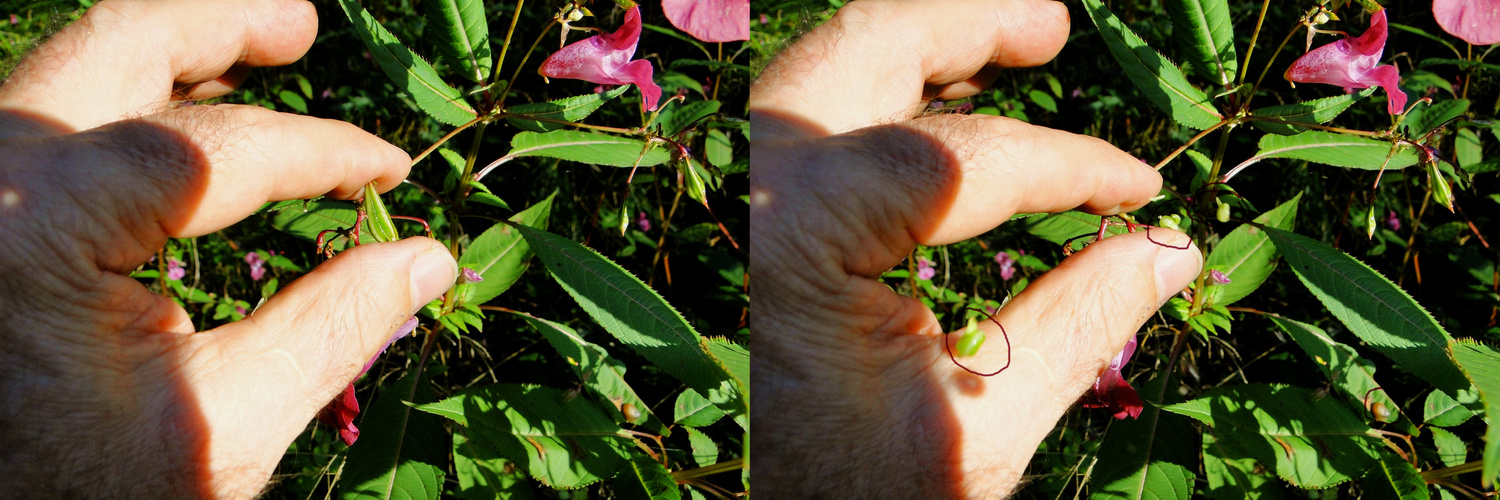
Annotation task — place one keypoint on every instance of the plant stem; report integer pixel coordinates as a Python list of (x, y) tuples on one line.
[(495, 73), (500, 104), (1250, 51), (725, 466), (1190, 142), (1434, 474), (445, 138), (618, 130), (1267, 68)]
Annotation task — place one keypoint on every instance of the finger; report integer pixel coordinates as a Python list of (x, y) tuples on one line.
[(876, 61), (947, 178), (1063, 331), (124, 57), (224, 84), (273, 371), (198, 169)]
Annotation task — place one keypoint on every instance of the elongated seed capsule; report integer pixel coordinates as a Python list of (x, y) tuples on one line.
[(379, 220), (1441, 193), (631, 412), (1370, 223)]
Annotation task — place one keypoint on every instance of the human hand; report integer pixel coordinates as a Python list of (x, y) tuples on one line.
[(106, 391), (853, 394)]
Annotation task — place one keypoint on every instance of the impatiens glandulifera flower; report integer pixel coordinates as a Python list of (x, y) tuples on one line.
[(925, 270), (340, 413), (710, 20), (1112, 392), (1007, 265), (466, 275), (257, 265), (642, 222), (1353, 63), (1392, 221), (1218, 277), (174, 269), (605, 58), (1475, 21)]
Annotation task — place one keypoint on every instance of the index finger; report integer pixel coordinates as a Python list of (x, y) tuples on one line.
[(877, 61)]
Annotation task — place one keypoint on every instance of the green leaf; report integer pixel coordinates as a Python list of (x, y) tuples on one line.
[(1352, 375), (483, 475), (293, 100), (588, 147), (1152, 456), (1232, 474), (597, 370), (401, 453), (1372, 307), (1152, 73), (1202, 28), (1451, 449), (705, 450), (1246, 256), (1394, 478), (676, 119), (717, 148), (1043, 100), (570, 109), (500, 254), (1470, 150), (462, 35), (735, 358), (307, 220), (410, 72), (1442, 410), (1058, 228), (1311, 442), (1482, 363), (1423, 119), (563, 443), (645, 479), (694, 410), (637, 316), (1314, 111), (1333, 149)]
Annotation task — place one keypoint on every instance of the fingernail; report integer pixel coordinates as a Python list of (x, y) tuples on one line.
[(1175, 268), (431, 274)]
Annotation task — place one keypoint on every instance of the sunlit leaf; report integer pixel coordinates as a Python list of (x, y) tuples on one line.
[(401, 452), (500, 255), (569, 109), (1156, 77), (1314, 111), (1352, 375), (483, 475), (694, 410), (705, 450), (1334, 149), (1233, 474), (1309, 441), (1060, 227), (588, 147), (1373, 308), (1203, 30), (1451, 449), (1482, 363), (1246, 256), (1441, 410), (1152, 456), (410, 73), (600, 373)]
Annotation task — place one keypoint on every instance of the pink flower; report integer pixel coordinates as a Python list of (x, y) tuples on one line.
[(642, 222), (1007, 265), (174, 269), (257, 265), (340, 413), (605, 58), (467, 275), (1111, 391), (710, 20), (925, 270), (1352, 63), (1218, 277), (1475, 21)]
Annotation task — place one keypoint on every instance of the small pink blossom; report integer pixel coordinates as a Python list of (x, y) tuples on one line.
[(340, 413), (1353, 63), (240, 310), (174, 269), (1218, 277), (1392, 221), (1112, 392), (257, 265), (1475, 21), (710, 20), (14, 20), (925, 270), (605, 58), (467, 275), (1007, 265), (642, 222)]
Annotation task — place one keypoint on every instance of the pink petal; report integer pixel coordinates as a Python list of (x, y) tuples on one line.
[(257, 271), (1475, 21), (606, 59), (710, 20), (1352, 63), (340, 413), (1112, 392)]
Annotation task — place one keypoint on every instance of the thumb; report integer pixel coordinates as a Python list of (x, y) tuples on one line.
[(286, 360)]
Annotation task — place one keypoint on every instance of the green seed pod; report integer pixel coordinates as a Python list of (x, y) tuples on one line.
[(1172, 221), (1223, 214), (382, 228), (1370, 223), (1441, 192), (696, 189), (624, 218), (968, 345)]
